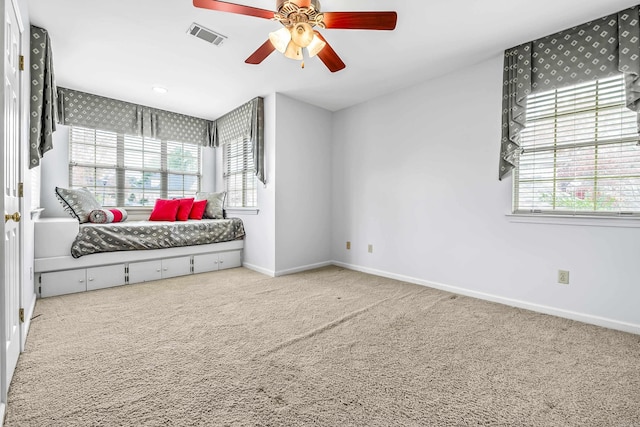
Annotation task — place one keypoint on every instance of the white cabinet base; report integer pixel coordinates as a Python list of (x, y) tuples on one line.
[(229, 260), (217, 261), (63, 282), (80, 280), (105, 277), (147, 271), (174, 267), (53, 283)]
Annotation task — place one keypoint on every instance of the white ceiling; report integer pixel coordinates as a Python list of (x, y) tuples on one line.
[(121, 48)]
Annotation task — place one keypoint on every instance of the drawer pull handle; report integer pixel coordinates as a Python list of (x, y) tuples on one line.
[(91, 280), (158, 270), (81, 280)]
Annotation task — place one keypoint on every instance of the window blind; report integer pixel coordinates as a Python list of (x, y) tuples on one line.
[(94, 162), (579, 152), (126, 170), (239, 176)]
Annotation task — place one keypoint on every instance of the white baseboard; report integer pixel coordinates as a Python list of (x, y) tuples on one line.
[(277, 273), (303, 268), (580, 317), (261, 270)]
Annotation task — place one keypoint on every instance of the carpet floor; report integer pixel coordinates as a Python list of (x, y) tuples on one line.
[(329, 347)]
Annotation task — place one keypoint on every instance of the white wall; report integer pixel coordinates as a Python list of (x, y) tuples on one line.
[(260, 241), (292, 229), (415, 174), (303, 185), (55, 173)]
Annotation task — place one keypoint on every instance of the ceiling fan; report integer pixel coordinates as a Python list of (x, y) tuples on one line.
[(298, 18)]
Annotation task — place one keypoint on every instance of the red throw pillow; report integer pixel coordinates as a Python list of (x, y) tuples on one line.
[(119, 215), (184, 209), (165, 210), (198, 208)]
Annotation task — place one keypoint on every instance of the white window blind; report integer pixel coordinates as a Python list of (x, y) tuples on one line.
[(579, 152), (125, 170), (239, 176), (93, 163)]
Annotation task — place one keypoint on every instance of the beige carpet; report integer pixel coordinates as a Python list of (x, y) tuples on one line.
[(329, 347)]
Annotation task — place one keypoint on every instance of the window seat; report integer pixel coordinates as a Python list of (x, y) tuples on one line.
[(57, 272)]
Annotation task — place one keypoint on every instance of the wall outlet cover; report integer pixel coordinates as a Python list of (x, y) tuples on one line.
[(563, 277)]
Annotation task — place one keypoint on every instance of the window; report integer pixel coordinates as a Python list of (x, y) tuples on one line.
[(239, 175), (125, 170), (579, 152)]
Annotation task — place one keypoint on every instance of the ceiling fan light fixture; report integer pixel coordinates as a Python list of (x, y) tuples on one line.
[(293, 51), (280, 39), (316, 45), (302, 34)]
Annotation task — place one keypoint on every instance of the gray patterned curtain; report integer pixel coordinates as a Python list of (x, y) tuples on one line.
[(257, 138), (43, 96), (597, 49), (246, 122), (97, 112)]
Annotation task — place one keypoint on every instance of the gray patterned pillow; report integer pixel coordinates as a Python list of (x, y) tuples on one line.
[(78, 202), (215, 204)]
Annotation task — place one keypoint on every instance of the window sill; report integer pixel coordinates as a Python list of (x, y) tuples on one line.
[(595, 221), (35, 213), (242, 211)]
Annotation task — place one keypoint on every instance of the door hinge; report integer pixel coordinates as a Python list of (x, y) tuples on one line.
[(21, 189), (21, 314), (21, 62)]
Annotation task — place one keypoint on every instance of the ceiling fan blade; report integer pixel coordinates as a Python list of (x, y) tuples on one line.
[(360, 20), (329, 56), (224, 6), (261, 53)]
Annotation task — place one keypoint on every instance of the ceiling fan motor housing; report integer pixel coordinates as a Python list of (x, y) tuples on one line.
[(290, 13), (315, 4)]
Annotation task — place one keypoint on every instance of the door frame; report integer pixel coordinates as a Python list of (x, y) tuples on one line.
[(22, 127)]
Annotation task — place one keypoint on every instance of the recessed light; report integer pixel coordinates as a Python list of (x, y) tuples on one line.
[(160, 89)]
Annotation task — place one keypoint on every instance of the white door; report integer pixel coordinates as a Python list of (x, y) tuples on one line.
[(10, 250)]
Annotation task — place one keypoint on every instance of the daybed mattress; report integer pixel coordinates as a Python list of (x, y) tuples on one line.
[(136, 235)]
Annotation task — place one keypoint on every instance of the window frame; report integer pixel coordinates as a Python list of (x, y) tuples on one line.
[(245, 169), (554, 215), (120, 168)]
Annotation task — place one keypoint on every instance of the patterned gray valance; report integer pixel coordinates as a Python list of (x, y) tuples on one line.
[(597, 49), (247, 123), (43, 96), (98, 112)]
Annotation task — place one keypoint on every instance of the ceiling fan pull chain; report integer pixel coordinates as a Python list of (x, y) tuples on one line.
[(302, 64)]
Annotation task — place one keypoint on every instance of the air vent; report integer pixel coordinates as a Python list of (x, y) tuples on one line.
[(206, 34)]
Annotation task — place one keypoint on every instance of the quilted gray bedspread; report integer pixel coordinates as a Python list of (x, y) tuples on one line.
[(136, 235)]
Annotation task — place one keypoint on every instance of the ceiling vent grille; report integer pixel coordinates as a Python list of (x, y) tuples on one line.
[(206, 34)]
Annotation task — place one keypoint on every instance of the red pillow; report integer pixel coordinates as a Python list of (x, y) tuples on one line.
[(184, 209), (119, 215), (165, 210), (198, 208)]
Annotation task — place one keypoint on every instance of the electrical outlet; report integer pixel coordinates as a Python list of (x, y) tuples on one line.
[(370, 249), (348, 245), (563, 277)]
